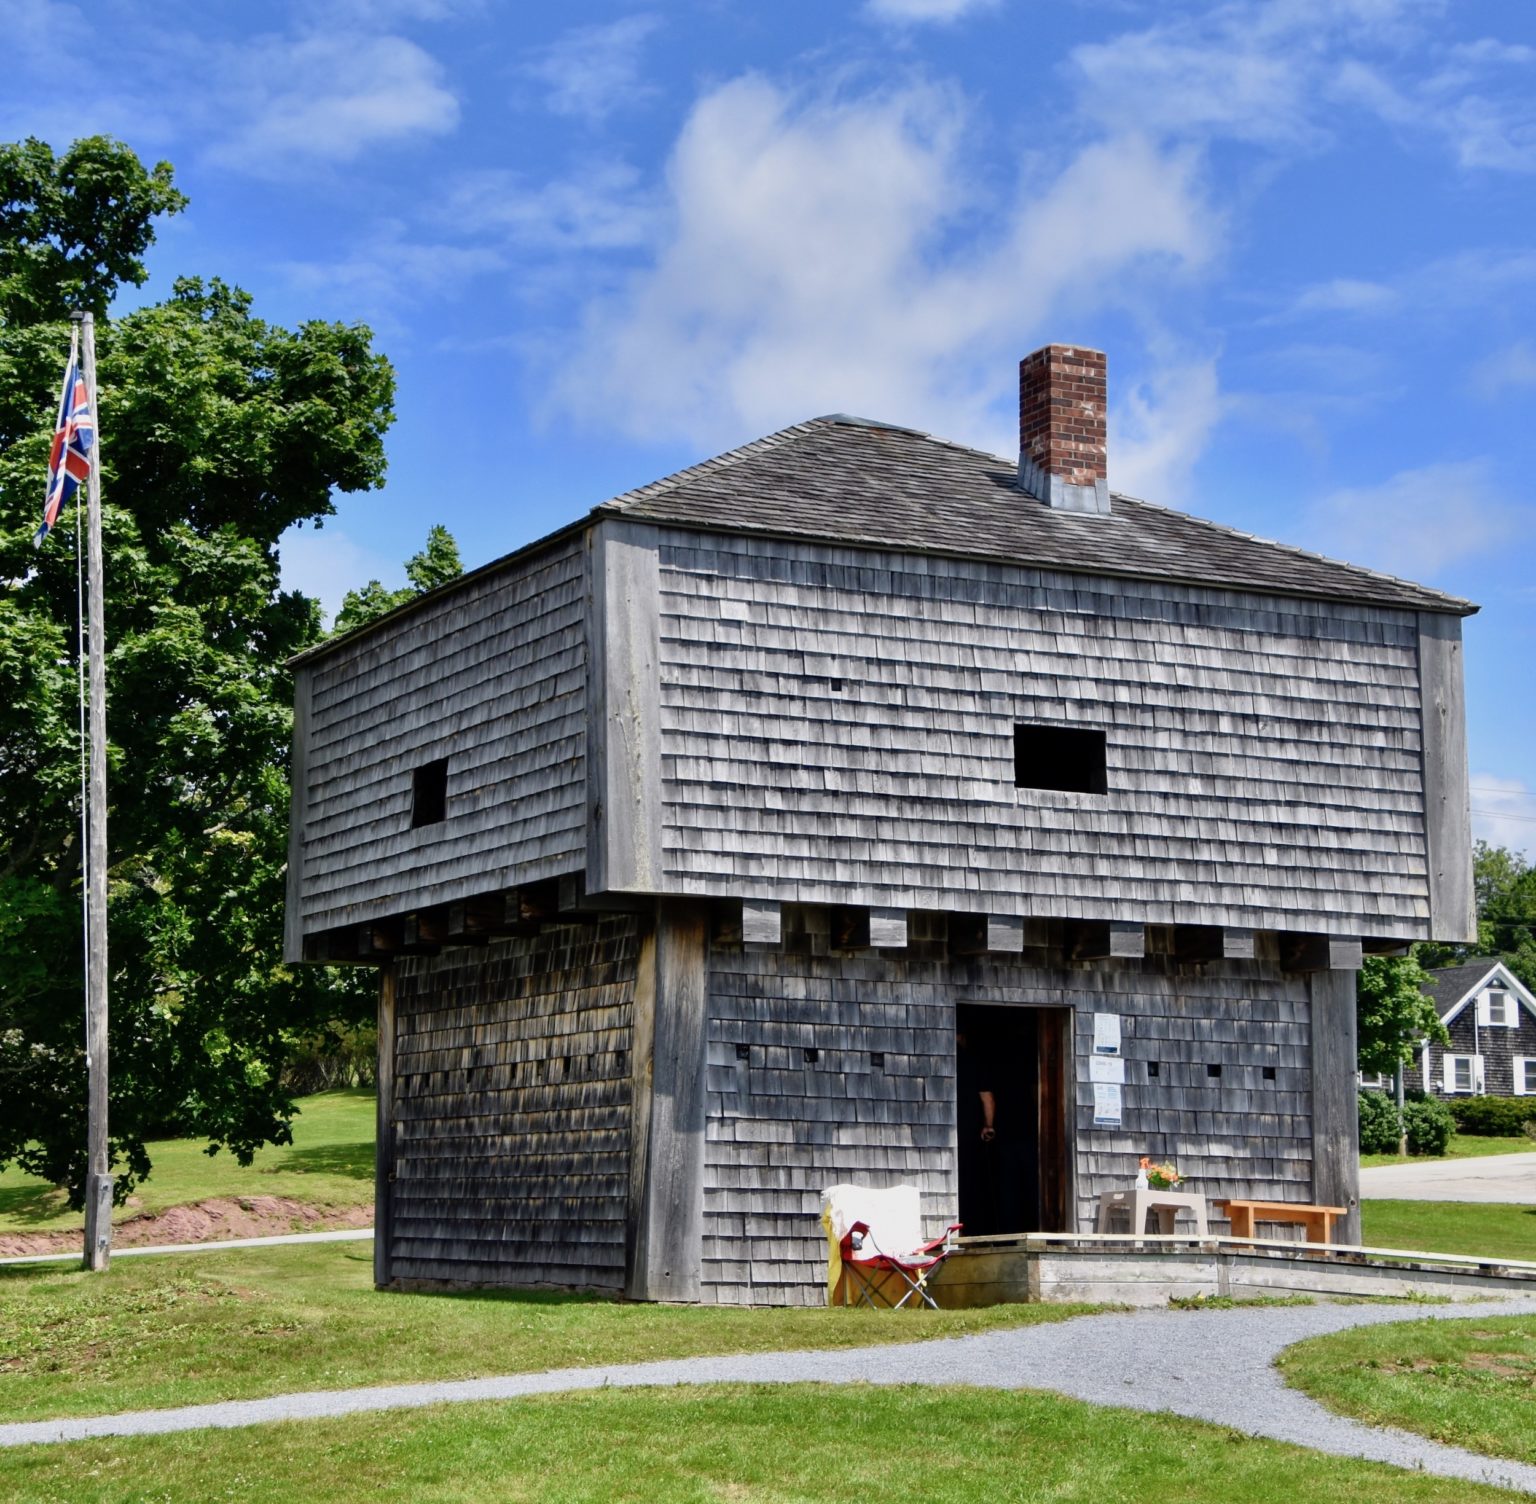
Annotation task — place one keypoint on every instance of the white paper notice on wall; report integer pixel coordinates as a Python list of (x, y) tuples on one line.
[(1106, 1069), (1106, 1033), (1106, 1105)]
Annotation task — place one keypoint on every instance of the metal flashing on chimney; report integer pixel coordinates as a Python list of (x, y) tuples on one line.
[(1061, 494), (1062, 398)]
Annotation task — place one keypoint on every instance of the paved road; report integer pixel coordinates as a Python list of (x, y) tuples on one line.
[(1498, 1177), (1211, 1365)]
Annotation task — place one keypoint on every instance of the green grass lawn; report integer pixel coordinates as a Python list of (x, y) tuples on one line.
[(767, 1445), (1491, 1229), (176, 1330), (1469, 1383), (329, 1164), (1461, 1146)]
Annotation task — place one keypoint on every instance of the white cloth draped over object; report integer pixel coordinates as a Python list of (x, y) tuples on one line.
[(894, 1215)]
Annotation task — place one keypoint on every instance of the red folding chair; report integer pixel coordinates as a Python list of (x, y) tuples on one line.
[(881, 1256)]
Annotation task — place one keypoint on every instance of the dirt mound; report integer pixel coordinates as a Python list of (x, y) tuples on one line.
[(202, 1222)]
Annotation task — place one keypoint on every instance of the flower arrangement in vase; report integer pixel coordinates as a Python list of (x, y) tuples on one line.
[(1164, 1177)]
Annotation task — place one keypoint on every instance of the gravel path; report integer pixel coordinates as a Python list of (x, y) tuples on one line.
[(1211, 1365)]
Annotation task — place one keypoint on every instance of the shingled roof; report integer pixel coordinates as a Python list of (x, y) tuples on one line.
[(853, 480), (1449, 984)]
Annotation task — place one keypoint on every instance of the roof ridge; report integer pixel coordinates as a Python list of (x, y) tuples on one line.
[(730, 457)]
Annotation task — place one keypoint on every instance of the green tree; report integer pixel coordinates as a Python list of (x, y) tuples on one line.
[(1504, 884), (218, 432), (435, 565), (1393, 1014)]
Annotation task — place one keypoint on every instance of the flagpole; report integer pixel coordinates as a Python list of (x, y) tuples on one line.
[(98, 1180)]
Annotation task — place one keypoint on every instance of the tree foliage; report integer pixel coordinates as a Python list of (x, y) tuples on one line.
[(1393, 1014), (435, 565), (218, 431), (1504, 883)]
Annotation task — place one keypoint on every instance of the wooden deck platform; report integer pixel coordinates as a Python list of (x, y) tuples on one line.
[(1151, 1270)]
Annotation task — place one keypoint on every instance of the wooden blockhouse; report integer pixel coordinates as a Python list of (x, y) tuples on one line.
[(684, 838)]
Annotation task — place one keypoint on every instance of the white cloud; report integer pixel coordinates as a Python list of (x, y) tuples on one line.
[(1503, 812), (917, 12), (1346, 295), (1159, 429), (1514, 366), (325, 563), (329, 98), (388, 270), (1418, 521), (1277, 72), (591, 71), (600, 207), (806, 266)]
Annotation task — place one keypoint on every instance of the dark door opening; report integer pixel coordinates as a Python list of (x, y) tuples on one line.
[(1015, 1178)]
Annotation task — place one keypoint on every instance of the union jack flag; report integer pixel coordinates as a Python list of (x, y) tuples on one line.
[(70, 461)]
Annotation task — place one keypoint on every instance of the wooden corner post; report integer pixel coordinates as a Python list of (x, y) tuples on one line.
[(664, 1236), (1447, 792), (623, 627), (1335, 1111), (384, 1152)]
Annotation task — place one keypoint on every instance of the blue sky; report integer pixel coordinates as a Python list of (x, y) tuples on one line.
[(601, 241)]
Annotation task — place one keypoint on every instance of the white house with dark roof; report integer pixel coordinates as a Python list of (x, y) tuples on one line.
[(1491, 1018), (684, 839)]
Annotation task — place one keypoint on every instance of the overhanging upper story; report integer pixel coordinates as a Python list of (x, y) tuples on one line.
[(854, 665)]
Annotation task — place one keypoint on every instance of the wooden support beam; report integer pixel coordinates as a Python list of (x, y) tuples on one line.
[(1211, 942), (1335, 1109), (1104, 940), (380, 940), (979, 934), (425, 932), (888, 929), (475, 920), (762, 922), (335, 948), (384, 1151), (848, 929), (664, 1230), (1306, 953)]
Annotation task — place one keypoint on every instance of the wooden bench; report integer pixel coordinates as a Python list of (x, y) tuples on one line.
[(1317, 1220)]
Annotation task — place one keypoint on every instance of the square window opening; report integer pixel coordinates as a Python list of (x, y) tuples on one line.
[(429, 793), (1269, 1073), (1066, 758), (1213, 1071), (1154, 1069)]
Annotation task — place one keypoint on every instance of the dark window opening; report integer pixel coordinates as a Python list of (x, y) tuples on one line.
[(429, 792), (743, 1052), (1213, 1070), (1154, 1068), (1269, 1073), (877, 1059), (1059, 757), (812, 1056)]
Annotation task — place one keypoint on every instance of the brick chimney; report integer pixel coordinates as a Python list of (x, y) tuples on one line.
[(1062, 391)]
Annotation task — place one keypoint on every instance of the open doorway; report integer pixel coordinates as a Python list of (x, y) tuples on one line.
[(1014, 1178)]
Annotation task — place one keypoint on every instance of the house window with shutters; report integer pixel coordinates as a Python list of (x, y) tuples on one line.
[(1463, 1073), (1496, 1009), (1525, 1075)]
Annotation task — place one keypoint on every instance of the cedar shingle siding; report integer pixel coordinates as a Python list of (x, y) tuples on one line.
[(729, 839)]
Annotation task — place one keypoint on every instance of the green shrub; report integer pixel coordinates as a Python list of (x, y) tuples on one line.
[(1493, 1117), (1429, 1126), (1380, 1126), (340, 1054)]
